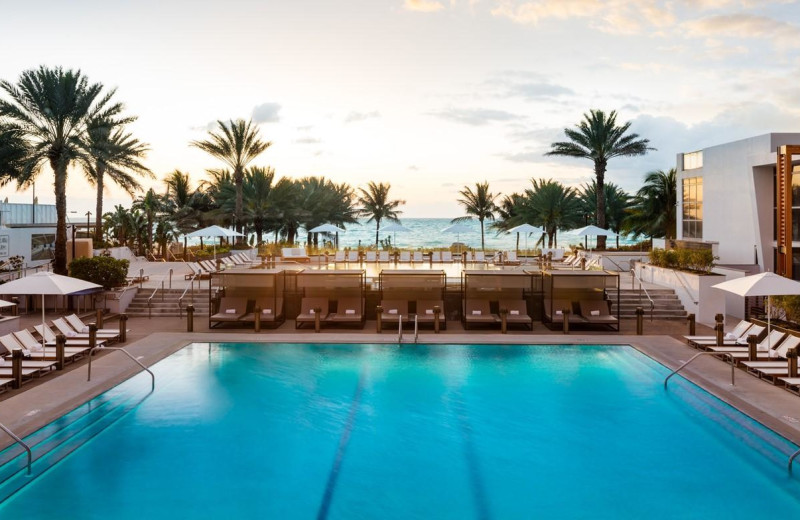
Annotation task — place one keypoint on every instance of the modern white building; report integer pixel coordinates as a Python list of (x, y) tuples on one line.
[(727, 198)]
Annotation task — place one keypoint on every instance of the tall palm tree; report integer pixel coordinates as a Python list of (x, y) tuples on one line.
[(653, 212), (13, 151), (150, 205), (552, 206), (257, 188), (617, 205), (112, 152), (599, 138), (509, 214), (52, 108), (236, 143), (376, 205), (478, 203)]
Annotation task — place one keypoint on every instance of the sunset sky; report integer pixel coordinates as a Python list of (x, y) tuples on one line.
[(428, 95)]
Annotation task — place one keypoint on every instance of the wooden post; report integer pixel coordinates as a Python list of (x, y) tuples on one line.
[(61, 342), (692, 324), (99, 318), (566, 312), (719, 328), (378, 322), (503, 321), (436, 314), (190, 318), (583, 263), (92, 336), (16, 368), (639, 321), (791, 356), (123, 328), (257, 312), (752, 348), (317, 311)]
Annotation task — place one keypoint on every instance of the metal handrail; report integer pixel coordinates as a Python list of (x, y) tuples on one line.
[(24, 445), (619, 267), (150, 299), (190, 285), (733, 365), (121, 349), (791, 459), (694, 300), (643, 288), (416, 327)]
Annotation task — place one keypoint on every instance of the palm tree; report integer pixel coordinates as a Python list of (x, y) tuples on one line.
[(509, 214), (617, 205), (13, 151), (113, 152), (150, 205), (236, 144), (552, 206), (52, 108), (653, 212), (118, 225), (478, 203), (257, 188), (599, 138), (376, 205)]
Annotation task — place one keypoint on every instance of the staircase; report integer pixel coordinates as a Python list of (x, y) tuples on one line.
[(169, 305), (667, 303)]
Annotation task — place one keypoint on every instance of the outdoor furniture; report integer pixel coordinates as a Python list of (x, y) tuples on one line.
[(425, 312), (371, 257), (393, 310), (766, 348), (405, 257), (755, 330), (50, 338), (596, 311), (348, 310), (295, 254), (270, 311), (308, 311), (417, 257), (383, 256), (590, 290), (352, 257), (231, 310), (263, 288), (554, 311), (737, 332), (27, 340), (517, 312), (69, 331), (500, 285), (477, 312), (80, 326), (9, 343), (338, 257)]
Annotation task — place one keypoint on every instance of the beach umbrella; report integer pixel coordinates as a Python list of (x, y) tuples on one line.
[(329, 228), (47, 283), (527, 229), (763, 284), (458, 229), (214, 232), (394, 228), (593, 231)]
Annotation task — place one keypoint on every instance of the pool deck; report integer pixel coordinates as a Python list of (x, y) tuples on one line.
[(151, 340)]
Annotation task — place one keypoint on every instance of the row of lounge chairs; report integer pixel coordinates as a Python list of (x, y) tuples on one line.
[(772, 352), (436, 257), (202, 269), (40, 359), (242, 310), (583, 311), (478, 312)]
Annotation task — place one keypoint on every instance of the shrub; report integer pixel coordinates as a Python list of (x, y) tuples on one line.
[(102, 270), (698, 260)]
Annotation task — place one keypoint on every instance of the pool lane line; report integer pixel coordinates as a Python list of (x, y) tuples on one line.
[(344, 440), (473, 464)]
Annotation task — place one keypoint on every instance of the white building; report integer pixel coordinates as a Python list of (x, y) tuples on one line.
[(727, 197)]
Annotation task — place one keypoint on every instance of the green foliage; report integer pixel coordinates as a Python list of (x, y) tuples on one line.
[(102, 270), (696, 260), (790, 305)]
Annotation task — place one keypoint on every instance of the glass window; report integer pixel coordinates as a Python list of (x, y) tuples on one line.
[(693, 160), (692, 207)]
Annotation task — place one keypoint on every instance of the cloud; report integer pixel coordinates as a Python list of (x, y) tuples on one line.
[(266, 113), (741, 25), (536, 91), (308, 140), (211, 125), (353, 117), (413, 168), (425, 6), (476, 116)]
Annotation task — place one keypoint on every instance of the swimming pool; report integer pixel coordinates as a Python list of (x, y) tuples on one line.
[(381, 431)]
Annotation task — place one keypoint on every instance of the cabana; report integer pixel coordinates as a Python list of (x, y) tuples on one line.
[(337, 293), (418, 292), (499, 298), (582, 297), (261, 289)]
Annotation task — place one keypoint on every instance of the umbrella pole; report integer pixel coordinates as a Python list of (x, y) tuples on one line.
[(769, 323), (43, 340)]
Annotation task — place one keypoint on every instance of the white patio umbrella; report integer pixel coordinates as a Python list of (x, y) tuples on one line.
[(458, 229), (594, 231), (328, 228), (763, 284), (393, 229), (212, 232), (527, 229), (47, 283)]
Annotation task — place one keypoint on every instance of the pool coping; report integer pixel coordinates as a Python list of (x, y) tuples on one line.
[(28, 411)]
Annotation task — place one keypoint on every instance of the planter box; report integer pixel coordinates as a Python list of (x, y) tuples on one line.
[(694, 290), (117, 301)]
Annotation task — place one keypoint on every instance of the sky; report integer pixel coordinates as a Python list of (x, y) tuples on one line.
[(428, 95)]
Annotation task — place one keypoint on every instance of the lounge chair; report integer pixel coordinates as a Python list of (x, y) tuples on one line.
[(425, 312), (352, 257), (393, 310), (791, 384), (477, 312), (271, 310), (766, 348), (208, 265), (70, 332), (338, 258), (80, 326), (510, 258), (554, 311), (436, 257), (736, 333), (383, 256), (50, 338), (308, 312), (756, 330), (294, 254), (517, 312), (447, 257), (348, 310), (27, 341), (417, 257), (774, 369), (480, 257), (231, 310), (405, 257), (371, 256), (9, 343), (197, 272), (596, 311)]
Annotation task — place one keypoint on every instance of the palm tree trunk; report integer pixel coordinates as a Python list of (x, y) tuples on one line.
[(483, 244), (60, 255), (98, 210), (238, 178), (377, 230), (600, 173)]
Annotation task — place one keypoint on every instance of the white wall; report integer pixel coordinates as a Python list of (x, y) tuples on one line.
[(19, 243)]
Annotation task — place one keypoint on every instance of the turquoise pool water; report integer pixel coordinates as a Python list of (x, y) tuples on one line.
[(380, 431)]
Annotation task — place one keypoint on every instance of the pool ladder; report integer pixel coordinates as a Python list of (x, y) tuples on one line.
[(723, 354), (400, 329), (28, 448)]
